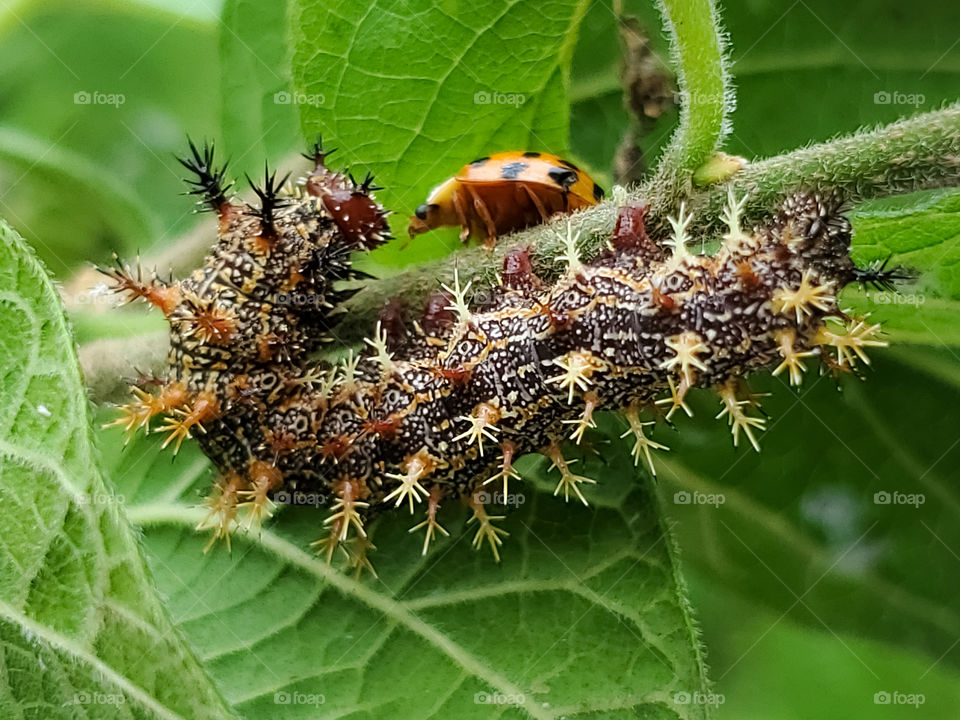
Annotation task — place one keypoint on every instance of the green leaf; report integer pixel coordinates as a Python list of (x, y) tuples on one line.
[(164, 65), (825, 63), (921, 232), (413, 90), (258, 109), (81, 628), (805, 71), (762, 657), (585, 617), (800, 529), (79, 185)]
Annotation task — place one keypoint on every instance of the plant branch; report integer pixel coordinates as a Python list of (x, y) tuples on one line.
[(706, 95), (917, 153)]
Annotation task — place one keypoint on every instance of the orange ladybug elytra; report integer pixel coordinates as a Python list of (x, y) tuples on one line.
[(504, 192)]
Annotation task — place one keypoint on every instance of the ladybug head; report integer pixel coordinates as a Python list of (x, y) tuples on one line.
[(424, 219), (437, 211)]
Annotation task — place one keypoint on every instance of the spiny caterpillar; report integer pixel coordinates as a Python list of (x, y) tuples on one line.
[(442, 407)]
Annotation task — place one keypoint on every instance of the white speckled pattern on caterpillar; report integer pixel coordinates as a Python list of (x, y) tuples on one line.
[(443, 407)]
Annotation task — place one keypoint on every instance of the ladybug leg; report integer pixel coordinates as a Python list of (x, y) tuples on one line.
[(544, 216), (484, 214), (461, 212)]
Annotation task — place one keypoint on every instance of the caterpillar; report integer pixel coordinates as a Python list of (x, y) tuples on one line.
[(442, 406)]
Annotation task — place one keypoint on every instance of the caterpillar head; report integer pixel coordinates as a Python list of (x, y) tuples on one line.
[(268, 293)]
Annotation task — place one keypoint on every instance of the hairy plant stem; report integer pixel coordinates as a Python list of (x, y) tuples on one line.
[(916, 153), (698, 47)]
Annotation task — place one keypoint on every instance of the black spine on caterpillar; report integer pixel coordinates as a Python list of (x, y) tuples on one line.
[(243, 324), (210, 180)]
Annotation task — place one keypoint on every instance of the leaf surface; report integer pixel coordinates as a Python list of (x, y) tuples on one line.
[(81, 629)]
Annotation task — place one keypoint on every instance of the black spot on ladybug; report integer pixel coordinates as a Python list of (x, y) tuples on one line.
[(480, 162), (531, 154), (597, 192), (511, 171), (563, 178), (567, 163)]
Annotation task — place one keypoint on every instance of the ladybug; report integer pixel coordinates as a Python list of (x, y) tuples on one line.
[(504, 192)]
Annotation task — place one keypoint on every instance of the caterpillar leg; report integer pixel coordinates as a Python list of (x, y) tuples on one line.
[(263, 479), (357, 558), (222, 509), (431, 524), (345, 514), (737, 417), (791, 358), (642, 444), (145, 406), (203, 408), (585, 421), (507, 473), (568, 481), (676, 401), (417, 467), (486, 530), (852, 341)]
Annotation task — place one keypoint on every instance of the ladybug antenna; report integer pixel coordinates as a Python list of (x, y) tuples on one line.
[(317, 154), (877, 275), (270, 200), (210, 182)]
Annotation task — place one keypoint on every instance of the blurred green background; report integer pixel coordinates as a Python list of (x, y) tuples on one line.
[(812, 597)]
